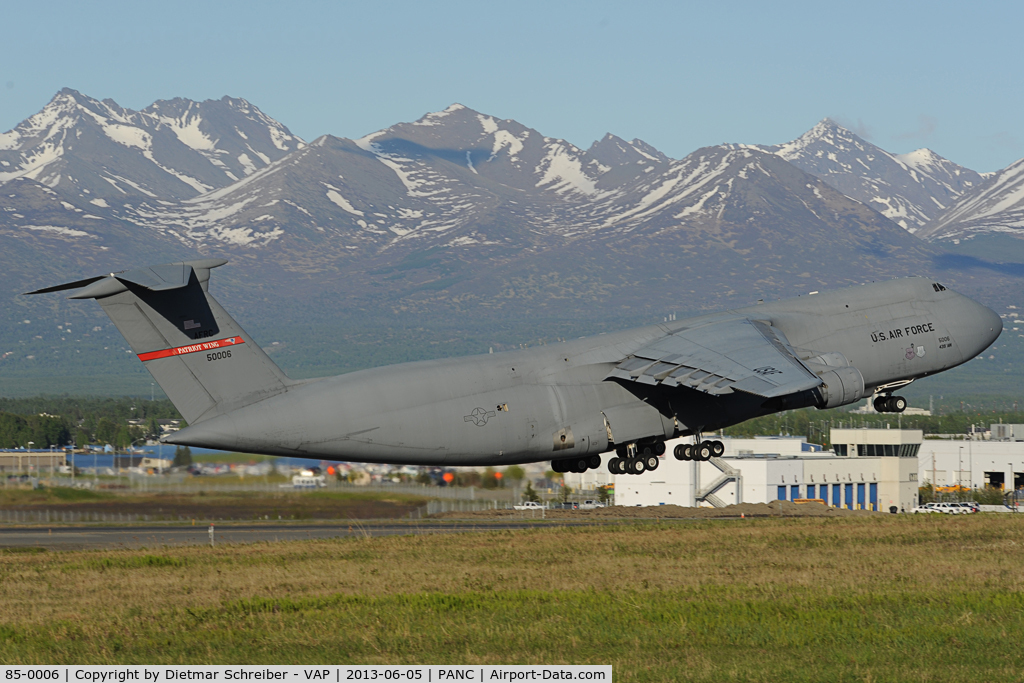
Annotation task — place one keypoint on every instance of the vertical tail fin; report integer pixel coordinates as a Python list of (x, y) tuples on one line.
[(205, 362)]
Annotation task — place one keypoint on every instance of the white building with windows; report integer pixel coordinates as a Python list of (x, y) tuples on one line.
[(877, 469), (973, 463)]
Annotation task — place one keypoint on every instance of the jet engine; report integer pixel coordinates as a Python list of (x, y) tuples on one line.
[(842, 386)]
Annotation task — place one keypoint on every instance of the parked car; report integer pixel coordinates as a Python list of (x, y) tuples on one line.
[(528, 505), (945, 508), (969, 507), (591, 505), (568, 506)]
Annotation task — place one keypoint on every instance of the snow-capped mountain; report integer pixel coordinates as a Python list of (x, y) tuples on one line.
[(993, 207), (461, 180), (94, 152), (909, 189), (457, 216)]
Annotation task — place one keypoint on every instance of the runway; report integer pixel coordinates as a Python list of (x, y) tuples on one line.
[(85, 537)]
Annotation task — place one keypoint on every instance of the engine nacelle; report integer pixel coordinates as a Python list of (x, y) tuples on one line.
[(842, 386)]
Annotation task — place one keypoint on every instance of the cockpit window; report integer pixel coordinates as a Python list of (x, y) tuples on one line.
[(937, 287)]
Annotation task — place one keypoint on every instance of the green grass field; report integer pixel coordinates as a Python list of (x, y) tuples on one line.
[(857, 599)]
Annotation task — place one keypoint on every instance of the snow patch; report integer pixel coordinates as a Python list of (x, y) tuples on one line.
[(129, 136), (66, 232), (503, 138), (247, 166), (340, 201), (186, 128), (489, 124)]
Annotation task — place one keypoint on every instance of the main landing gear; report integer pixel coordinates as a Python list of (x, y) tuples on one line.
[(578, 465), (637, 458), (890, 404), (702, 450)]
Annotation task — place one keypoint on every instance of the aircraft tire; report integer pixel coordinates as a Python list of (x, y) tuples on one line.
[(717, 448), (580, 465), (651, 462), (678, 452), (613, 465), (556, 466), (659, 448), (897, 404), (703, 451), (881, 404), (594, 461), (636, 466)]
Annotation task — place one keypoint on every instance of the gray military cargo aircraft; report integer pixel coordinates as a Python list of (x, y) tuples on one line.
[(570, 402)]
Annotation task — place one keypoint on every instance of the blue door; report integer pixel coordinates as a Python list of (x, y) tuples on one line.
[(849, 496), (835, 495), (794, 492), (782, 493), (810, 490), (860, 497), (873, 496), (824, 493)]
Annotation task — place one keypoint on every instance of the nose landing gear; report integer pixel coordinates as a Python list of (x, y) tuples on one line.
[(887, 403)]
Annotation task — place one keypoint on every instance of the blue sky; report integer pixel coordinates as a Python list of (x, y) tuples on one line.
[(678, 75)]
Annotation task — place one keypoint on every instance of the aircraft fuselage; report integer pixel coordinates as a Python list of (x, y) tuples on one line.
[(556, 400)]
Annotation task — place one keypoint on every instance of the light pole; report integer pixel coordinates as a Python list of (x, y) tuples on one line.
[(960, 472), (1013, 487), (30, 445)]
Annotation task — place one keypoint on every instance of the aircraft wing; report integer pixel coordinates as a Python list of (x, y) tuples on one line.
[(720, 357)]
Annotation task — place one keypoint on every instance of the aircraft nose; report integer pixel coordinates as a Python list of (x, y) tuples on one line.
[(983, 326)]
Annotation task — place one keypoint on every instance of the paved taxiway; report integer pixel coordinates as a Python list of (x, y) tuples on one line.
[(82, 537)]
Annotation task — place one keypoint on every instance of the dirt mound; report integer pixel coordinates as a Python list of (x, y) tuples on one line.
[(774, 509)]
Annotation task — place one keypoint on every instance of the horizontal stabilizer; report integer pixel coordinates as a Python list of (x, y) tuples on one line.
[(67, 285), (158, 278)]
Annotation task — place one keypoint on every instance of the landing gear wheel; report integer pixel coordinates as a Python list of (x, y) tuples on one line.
[(651, 462), (594, 461), (580, 465), (557, 466), (897, 404), (703, 451), (622, 451), (881, 404), (679, 453), (637, 466), (613, 465), (717, 448), (659, 448)]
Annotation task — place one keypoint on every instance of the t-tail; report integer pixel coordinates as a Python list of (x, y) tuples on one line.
[(202, 359)]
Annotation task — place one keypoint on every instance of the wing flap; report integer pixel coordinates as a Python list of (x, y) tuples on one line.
[(718, 358)]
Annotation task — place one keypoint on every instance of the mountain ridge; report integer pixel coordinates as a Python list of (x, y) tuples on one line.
[(460, 224)]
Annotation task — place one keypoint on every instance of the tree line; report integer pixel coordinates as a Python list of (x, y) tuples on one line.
[(80, 421)]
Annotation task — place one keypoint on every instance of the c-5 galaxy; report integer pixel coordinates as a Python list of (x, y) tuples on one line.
[(625, 392)]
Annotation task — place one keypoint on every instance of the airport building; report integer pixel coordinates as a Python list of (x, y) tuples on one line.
[(874, 469), (976, 463)]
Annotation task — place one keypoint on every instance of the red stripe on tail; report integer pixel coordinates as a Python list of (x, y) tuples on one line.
[(192, 348)]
